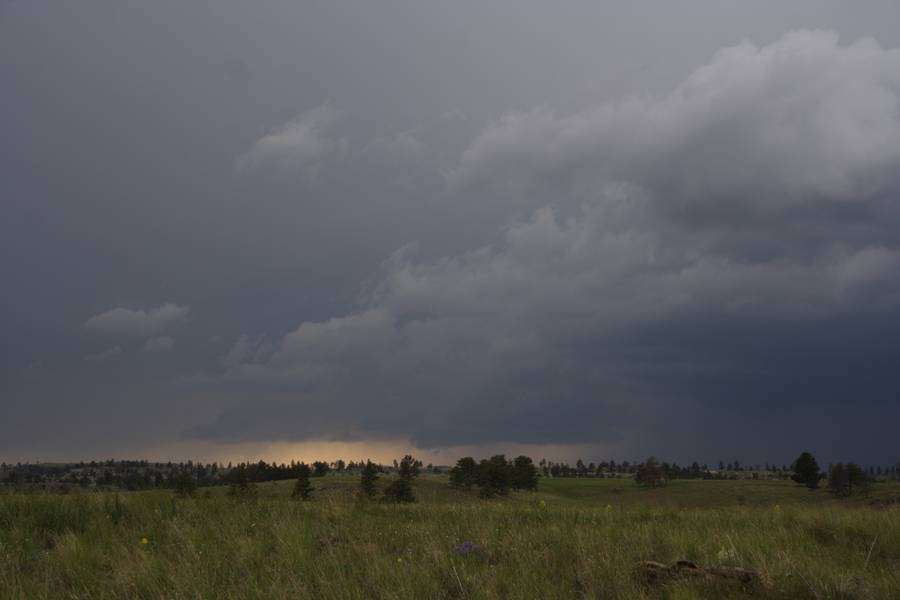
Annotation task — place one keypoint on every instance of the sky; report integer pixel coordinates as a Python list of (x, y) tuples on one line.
[(301, 230)]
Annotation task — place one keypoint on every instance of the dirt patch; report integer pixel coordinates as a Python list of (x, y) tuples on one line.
[(885, 502), (657, 573)]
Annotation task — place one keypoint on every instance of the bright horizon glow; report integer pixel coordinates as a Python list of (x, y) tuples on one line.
[(382, 452)]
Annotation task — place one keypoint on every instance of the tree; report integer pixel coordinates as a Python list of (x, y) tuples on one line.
[(494, 477), (240, 486), (183, 484), (400, 490), (302, 488), (409, 468), (465, 473), (806, 471), (320, 468), (847, 479), (524, 474), (650, 474), (579, 465), (367, 479)]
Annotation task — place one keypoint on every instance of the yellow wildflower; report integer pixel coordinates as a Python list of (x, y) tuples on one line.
[(144, 541)]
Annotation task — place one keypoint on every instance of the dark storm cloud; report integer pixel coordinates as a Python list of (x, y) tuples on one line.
[(107, 354), (566, 330), (461, 223), (159, 344)]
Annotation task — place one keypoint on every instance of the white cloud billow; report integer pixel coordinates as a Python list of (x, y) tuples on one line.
[(802, 117), (300, 144), (137, 322)]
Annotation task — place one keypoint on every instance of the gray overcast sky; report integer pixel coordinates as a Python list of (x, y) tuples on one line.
[(598, 229)]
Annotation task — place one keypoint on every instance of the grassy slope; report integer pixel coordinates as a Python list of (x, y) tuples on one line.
[(573, 539)]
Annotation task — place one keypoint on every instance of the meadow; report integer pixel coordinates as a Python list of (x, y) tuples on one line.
[(574, 538)]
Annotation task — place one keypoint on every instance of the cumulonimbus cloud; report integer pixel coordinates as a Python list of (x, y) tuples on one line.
[(762, 190), (137, 322)]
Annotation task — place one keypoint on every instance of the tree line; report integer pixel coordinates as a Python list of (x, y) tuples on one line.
[(495, 476), (842, 479), (134, 475)]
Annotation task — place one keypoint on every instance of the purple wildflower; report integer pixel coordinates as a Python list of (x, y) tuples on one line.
[(466, 548)]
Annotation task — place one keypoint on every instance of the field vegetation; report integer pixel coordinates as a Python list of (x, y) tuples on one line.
[(573, 538)]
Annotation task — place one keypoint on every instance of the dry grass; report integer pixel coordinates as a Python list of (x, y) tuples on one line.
[(573, 539)]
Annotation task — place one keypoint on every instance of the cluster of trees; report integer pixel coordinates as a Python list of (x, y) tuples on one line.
[(142, 474), (495, 476), (125, 474), (399, 490), (844, 479), (651, 473), (696, 470), (182, 477), (261, 471)]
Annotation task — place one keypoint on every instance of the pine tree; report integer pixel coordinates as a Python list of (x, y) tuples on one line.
[(465, 473), (240, 487), (302, 488), (806, 471), (494, 477), (524, 474), (184, 485), (409, 468), (367, 479), (400, 490)]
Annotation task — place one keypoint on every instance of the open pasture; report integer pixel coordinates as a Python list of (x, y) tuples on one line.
[(574, 538)]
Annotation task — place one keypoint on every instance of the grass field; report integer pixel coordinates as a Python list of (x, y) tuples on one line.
[(575, 538)]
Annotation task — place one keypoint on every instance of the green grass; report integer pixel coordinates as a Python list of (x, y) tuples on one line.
[(573, 539)]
